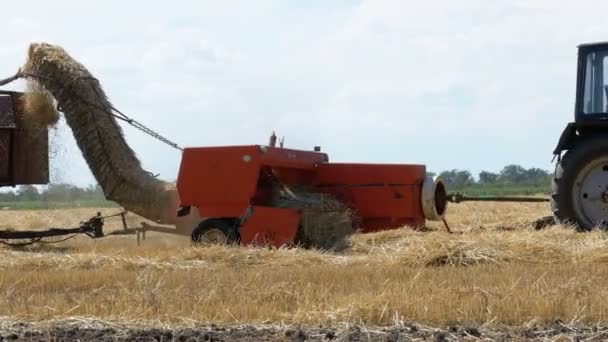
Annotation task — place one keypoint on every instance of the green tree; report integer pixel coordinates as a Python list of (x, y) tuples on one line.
[(28, 193), (513, 174), (486, 177), (537, 176), (457, 178)]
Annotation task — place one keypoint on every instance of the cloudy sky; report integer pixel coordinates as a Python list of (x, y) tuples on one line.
[(467, 84)]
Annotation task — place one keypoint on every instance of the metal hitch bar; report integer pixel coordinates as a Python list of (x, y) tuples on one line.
[(93, 228), (459, 198)]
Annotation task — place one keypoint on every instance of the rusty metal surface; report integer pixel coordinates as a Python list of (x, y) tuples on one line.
[(23, 149), (7, 113), (5, 156), (30, 156)]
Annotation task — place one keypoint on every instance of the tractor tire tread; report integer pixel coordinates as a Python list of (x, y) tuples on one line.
[(565, 174)]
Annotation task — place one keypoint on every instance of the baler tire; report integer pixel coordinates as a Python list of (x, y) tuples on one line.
[(567, 170), (226, 227)]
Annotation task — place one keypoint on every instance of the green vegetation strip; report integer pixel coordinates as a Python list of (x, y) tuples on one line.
[(34, 205)]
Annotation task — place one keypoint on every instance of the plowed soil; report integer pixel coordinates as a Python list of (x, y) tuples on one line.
[(98, 331)]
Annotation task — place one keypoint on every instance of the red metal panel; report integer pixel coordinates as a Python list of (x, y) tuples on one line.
[(380, 201), (383, 196), (219, 210), (274, 226), (219, 177), (292, 167), (293, 159), (222, 181), (366, 174)]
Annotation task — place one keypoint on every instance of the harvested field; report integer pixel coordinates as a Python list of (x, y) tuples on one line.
[(496, 272)]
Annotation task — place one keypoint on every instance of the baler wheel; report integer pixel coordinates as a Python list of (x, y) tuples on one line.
[(215, 231)]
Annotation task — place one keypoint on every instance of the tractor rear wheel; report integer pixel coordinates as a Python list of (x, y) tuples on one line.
[(580, 185), (215, 231)]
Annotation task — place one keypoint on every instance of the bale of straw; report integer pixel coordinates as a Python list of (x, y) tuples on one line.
[(38, 106), (98, 135), (326, 222)]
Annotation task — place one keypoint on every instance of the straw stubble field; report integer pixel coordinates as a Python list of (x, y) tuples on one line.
[(496, 271)]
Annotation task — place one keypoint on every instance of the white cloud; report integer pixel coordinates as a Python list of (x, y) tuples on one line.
[(461, 84)]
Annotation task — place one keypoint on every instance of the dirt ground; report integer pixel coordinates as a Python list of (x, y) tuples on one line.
[(84, 330)]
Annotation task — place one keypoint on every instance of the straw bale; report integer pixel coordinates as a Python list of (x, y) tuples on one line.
[(98, 135), (326, 222), (38, 106)]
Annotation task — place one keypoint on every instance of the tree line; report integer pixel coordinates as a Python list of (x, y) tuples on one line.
[(53, 193), (510, 175)]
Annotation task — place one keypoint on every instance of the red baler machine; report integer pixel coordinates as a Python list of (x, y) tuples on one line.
[(228, 183)]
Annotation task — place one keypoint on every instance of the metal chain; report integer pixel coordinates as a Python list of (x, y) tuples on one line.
[(138, 125), (118, 115)]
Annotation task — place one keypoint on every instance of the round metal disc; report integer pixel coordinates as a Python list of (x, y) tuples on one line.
[(590, 193), (214, 236)]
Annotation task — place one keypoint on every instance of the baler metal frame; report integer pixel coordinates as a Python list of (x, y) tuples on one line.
[(93, 228)]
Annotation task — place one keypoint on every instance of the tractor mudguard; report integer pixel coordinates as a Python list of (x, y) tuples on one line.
[(566, 139)]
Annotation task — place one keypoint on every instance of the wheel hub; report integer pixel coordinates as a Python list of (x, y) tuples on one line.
[(214, 236), (590, 193)]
